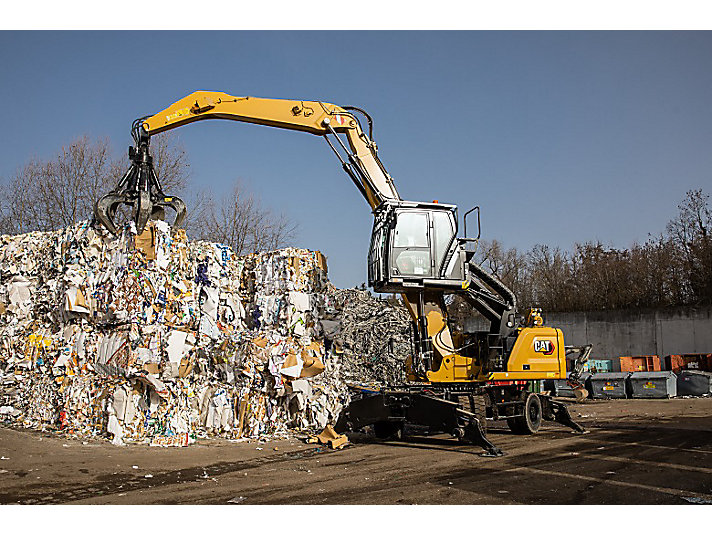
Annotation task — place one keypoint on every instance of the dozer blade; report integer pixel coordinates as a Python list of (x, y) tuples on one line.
[(402, 406)]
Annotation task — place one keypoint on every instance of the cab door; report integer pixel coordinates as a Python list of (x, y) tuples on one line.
[(445, 257)]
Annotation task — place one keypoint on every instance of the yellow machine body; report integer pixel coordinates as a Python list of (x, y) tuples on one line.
[(538, 354)]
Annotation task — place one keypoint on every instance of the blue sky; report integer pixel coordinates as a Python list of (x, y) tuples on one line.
[(558, 136)]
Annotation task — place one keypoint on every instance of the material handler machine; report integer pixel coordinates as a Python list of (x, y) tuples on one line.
[(455, 382)]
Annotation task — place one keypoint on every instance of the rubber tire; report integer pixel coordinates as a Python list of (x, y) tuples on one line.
[(479, 409), (388, 430), (530, 422)]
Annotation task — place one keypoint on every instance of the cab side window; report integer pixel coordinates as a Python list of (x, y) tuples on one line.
[(411, 246)]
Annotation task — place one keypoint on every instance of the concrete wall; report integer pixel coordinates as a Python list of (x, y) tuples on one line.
[(632, 332)]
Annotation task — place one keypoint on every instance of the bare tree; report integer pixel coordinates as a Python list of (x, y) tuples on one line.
[(672, 269), (45, 195), (61, 191), (507, 264), (550, 278), (6, 223), (170, 162), (657, 274), (240, 221), (691, 231)]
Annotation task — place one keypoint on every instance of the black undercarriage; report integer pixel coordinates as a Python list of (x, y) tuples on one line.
[(461, 410)]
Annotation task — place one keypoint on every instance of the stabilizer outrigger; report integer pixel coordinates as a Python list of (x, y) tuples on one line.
[(443, 410)]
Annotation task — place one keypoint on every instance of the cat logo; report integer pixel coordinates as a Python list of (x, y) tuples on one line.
[(544, 346)]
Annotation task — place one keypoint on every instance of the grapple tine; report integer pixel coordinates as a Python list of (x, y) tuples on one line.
[(143, 207), (105, 209), (176, 204), (179, 206)]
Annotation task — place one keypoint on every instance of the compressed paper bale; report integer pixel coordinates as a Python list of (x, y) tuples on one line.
[(240, 350)]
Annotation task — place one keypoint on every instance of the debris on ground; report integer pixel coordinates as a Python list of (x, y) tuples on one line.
[(154, 339), (329, 437)]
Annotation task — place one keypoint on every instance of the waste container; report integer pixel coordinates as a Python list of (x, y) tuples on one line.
[(600, 366), (632, 364), (694, 362), (653, 385), (608, 385), (694, 383), (559, 387)]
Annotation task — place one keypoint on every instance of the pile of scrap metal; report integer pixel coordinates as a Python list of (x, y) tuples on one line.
[(154, 339), (372, 335)]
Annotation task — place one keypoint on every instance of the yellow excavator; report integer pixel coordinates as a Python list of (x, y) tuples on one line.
[(455, 382)]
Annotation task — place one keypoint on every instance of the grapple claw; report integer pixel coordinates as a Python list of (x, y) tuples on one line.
[(140, 189)]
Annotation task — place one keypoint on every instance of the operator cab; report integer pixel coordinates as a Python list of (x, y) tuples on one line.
[(415, 245)]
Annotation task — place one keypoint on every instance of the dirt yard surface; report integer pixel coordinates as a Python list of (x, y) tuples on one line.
[(637, 452)]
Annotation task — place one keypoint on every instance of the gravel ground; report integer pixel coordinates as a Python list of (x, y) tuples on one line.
[(637, 452)]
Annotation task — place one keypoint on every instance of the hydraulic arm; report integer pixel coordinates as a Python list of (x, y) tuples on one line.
[(359, 156)]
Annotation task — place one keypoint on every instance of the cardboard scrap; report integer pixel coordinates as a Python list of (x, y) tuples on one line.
[(146, 241), (186, 367), (321, 261), (177, 440), (152, 368), (312, 362), (329, 437), (260, 341), (302, 365)]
